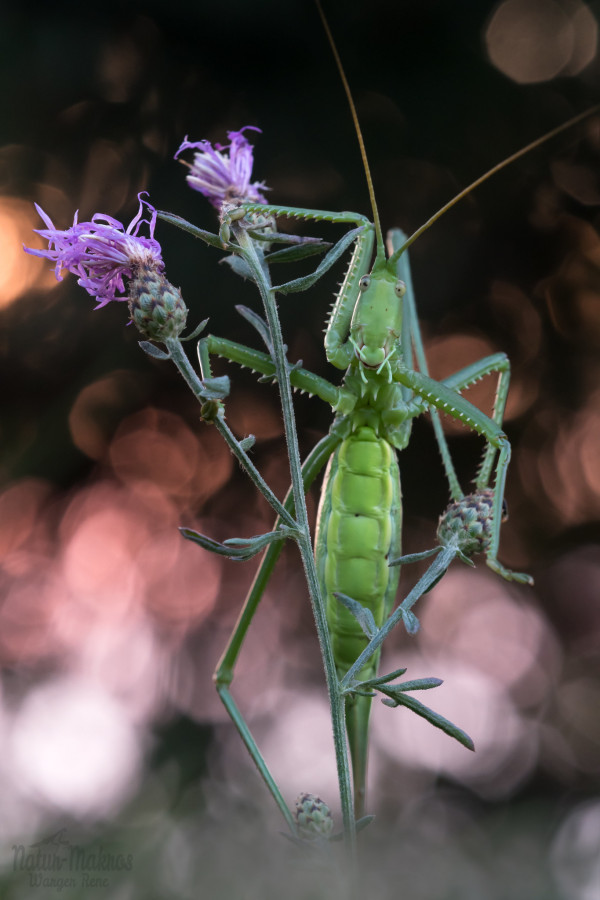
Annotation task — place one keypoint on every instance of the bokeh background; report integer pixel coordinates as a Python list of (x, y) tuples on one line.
[(111, 735)]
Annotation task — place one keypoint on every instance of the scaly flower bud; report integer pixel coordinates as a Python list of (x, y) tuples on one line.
[(313, 817), (467, 523), (156, 307)]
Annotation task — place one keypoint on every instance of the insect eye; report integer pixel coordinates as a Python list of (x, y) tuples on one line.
[(364, 282), (400, 289)]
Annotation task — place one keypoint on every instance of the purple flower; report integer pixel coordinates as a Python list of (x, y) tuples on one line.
[(224, 178), (103, 252)]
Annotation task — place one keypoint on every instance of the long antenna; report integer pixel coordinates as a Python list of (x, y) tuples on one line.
[(363, 152), (488, 174)]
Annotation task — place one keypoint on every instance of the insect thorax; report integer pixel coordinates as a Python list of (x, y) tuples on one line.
[(380, 405)]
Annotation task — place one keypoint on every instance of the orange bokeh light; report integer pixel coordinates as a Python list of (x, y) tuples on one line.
[(156, 449), (19, 271)]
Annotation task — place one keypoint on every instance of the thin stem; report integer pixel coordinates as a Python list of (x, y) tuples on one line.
[(336, 699), (180, 359)]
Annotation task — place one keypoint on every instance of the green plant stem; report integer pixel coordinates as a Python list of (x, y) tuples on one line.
[(336, 699), (180, 359)]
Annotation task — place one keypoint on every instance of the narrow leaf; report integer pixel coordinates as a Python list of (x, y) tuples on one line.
[(216, 388), (205, 542), (257, 322), (435, 718), (383, 679), (213, 239), (301, 284), (361, 613), (466, 559), (419, 684), (363, 822), (248, 443), (411, 623), (300, 251), (153, 350), (413, 557), (198, 330), (437, 579), (239, 266), (258, 541), (280, 237), (236, 548)]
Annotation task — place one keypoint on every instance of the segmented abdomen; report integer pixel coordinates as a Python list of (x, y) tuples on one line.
[(358, 528)]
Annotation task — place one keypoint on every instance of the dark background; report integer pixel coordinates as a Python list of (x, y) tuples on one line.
[(91, 112)]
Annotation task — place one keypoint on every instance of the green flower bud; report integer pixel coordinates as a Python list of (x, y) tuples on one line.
[(313, 817), (155, 306)]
